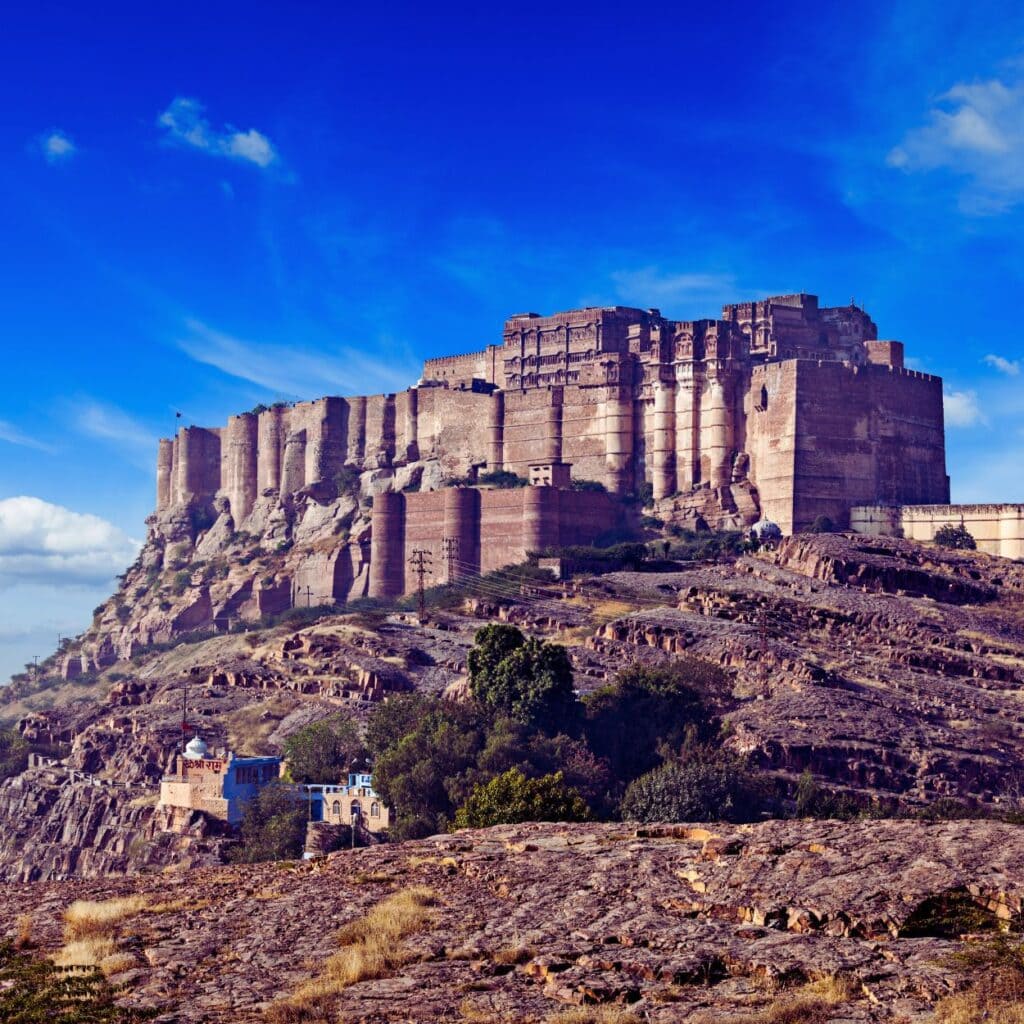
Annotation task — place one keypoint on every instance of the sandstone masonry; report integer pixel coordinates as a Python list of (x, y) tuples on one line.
[(781, 409)]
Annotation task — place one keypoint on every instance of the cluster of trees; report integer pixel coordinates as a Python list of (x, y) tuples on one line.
[(527, 748)]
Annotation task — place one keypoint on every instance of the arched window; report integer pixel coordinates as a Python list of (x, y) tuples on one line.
[(764, 398), (375, 810), (336, 809)]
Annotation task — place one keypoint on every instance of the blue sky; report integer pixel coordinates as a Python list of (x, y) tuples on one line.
[(207, 206)]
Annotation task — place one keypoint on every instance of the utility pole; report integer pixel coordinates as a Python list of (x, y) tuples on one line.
[(309, 595), (450, 545), (420, 561), (184, 711)]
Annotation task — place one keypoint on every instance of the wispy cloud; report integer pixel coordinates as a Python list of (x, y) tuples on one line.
[(186, 125), (111, 423), (12, 435), (962, 408), (647, 286), (1011, 367), (56, 146), (975, 130), (288, 370)]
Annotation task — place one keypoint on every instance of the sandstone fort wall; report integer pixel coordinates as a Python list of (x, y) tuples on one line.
[(997, 529), (801, 405)]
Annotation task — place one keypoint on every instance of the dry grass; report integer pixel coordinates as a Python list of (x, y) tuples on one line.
[(173, 906), (90, 929), (594, 1015), (85, 918), (512, 955), (812, 1003), (249, 727), (23, 931), (971, 1008), (88, 952), (372, 948)]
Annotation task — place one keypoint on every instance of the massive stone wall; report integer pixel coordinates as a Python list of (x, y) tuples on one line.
[(467, 531), (801, 405)]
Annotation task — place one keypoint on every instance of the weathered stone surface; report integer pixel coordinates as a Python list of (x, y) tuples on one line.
[(673, 918)]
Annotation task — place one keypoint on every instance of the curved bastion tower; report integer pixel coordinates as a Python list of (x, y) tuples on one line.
[(780, 408)]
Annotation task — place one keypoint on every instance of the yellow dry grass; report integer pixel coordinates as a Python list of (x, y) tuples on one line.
[(594, 1015), (372, 948), (86, 952), (968, 1008), (812, 1003), (86, 918), (23, 931), (172, 906), (90, 928)]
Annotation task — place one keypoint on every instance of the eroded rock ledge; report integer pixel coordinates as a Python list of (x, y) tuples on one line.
[(677, 919)]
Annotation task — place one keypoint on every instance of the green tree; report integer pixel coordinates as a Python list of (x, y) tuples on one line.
[(950, 536), (512, 797), (35, 991), (324, 751), (527, 680), (491, 645), (13, 753), (647, 708), (706, 784), (394, 719), (273, 826), (425, 775)]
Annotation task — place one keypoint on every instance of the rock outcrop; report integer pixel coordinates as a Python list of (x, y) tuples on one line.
[(680, 922)]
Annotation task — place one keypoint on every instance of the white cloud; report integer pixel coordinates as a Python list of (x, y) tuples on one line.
[(186, 125), (56, 147), (976, 130), (12, 435), (286, 370), (1011, 367), (652, 286), (962, 409), (45, 543)]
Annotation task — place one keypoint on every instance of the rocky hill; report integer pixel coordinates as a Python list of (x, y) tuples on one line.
[(534, 923), (887, 669)]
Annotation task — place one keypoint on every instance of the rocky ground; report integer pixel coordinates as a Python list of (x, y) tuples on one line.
[(696, 922), (889, 668)]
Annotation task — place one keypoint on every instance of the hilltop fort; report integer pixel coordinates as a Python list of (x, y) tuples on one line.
[(781, 409)]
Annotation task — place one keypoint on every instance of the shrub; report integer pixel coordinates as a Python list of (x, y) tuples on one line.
[(13, 753), (950, 536), (647, 708), (589, 485), (821, 524), (503, 479), (512, 797), (273, 826), (324, 750), (181, 582), (705, 784)]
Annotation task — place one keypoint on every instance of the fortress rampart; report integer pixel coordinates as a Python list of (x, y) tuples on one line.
[(997, 529), (802, 408), (468, 531)]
